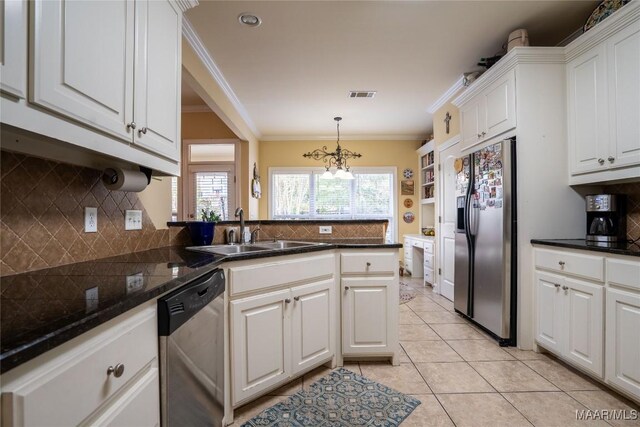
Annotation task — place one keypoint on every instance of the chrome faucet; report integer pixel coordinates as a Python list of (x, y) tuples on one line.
[(254, 234), (240, 213)]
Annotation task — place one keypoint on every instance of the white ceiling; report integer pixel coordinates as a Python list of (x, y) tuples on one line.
[(292, 74)]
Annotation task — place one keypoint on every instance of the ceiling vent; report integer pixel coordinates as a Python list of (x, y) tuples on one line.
[(362, 93)]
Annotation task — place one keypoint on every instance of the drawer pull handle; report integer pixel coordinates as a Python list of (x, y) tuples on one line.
[(368, 264), (117, 371), (287, 301), (296, 298), (346, 288)]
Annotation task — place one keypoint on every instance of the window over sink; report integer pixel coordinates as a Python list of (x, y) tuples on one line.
[(301, 193)]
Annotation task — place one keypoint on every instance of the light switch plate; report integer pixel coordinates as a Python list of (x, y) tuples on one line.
[(325, 229), (132, 220), (90, 220)]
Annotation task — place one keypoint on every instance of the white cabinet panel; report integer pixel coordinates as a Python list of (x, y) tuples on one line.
[(312, 324), (260, 343), (471, 123), (623, 341), (623, 51), (157, 77), (588, 121), (623, 273), (367, 322), (565, 262), (13, 48), (549, 311), (583, 312), (370, 262), (500, 107), (83, 62)]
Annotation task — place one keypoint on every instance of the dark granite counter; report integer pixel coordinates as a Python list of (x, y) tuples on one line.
[(621, 249), (45, 308)]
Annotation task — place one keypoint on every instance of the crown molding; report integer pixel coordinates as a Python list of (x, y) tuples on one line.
[(185, 5), (618, 20), (203, 54), (196, 109), (517, 55), (361, 137), (455, 88)]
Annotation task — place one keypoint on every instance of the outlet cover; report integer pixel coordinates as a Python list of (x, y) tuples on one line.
[(90, 220), (135, 282), (132, 220), (325, 229)]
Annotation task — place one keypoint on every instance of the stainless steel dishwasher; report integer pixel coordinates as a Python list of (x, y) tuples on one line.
[(191, 331)]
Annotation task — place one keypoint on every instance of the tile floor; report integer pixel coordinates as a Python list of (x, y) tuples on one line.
[(463, 378)]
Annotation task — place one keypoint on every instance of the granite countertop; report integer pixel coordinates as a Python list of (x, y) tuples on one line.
[(631, 249), (45, 308)]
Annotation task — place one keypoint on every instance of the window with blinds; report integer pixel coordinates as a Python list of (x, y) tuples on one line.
[(211, 193), (174, 198), (305, 195)]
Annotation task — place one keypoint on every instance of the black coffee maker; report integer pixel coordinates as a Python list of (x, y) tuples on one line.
[(606, 219)]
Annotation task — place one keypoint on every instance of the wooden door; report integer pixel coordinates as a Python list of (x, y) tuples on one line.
[(623, 54), (313, 324), (623, 340), (83, 62), (13, 48), (260, 343), (367, 318), (500, 104), (584, 324), (587, 112), (549, 311), (157, 77)]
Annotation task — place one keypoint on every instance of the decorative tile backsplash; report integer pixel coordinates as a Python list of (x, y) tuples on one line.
[(42, 216), (632, 190)]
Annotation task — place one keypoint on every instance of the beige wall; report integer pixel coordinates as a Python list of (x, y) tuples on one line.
[(439, 129), (156, 199), (398, 154)]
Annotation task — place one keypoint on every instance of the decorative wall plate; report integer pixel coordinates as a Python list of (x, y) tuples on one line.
[(408, 217), (408, 173), (408, 203)]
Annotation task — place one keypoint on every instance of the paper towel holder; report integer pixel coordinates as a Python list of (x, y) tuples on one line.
[(147, 172)]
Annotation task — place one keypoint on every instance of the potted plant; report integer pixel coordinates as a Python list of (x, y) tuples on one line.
[(202, 232)]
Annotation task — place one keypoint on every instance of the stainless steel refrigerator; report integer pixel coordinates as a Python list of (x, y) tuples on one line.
[(485, 240)]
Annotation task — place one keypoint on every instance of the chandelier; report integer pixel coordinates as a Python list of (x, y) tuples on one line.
[(338, 158)]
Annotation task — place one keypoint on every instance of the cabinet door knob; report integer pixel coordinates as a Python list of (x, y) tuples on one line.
[(287, 301), (479, 135), (296, 298), (346, 288), (484, 133), (561, 263), (564, 288), (601, 161), (142, 131), (368, 264), (131, 125), (557, 285), (117, 371), (611, 159)]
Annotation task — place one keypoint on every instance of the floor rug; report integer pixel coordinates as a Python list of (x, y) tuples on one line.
[(406, 293), (341, 398)]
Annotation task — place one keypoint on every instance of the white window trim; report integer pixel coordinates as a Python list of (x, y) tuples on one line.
[(373, 169)]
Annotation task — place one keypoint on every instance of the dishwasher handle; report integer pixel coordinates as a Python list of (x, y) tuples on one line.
[(179, 306)]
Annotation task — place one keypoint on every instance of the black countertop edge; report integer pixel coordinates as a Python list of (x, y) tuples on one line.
[(13, 357), (288, 221), (622, 249)]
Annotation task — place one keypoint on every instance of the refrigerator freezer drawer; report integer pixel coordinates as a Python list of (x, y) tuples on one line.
[(587, 266)]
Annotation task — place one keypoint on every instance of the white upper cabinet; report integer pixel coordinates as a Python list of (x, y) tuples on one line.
[(13, 48), (603, 80), (157, 77), (82, 62), (624, 96), (588, 130), (491, 113)]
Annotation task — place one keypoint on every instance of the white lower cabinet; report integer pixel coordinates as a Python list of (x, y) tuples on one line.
[(71, 385), (570, 322), (623, 340), (261, 340)]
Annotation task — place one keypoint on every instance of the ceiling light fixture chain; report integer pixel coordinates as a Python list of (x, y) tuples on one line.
[(337, 158)]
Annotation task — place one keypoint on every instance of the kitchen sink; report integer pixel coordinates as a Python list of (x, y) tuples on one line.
[(285, 244), (250, 248)]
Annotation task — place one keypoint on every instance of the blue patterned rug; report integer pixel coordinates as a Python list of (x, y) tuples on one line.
[(342, 399)]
